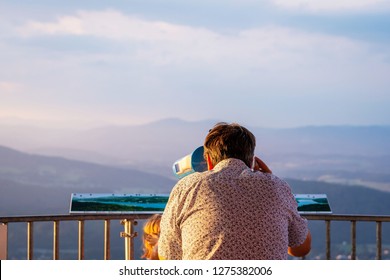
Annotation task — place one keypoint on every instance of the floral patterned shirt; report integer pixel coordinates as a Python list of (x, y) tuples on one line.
[(230, 212)]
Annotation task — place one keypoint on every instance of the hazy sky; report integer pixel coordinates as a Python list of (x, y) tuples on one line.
[(274, 63)]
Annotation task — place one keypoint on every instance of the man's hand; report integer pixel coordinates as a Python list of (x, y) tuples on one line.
[(301, 250), (259, 165)]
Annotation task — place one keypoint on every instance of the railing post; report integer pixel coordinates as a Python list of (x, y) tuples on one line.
[(353, 240), (129, 235), (3, 241), (106, 239), (56, 232), (81, 240), (327, 222), (378, 240), (30, 240)]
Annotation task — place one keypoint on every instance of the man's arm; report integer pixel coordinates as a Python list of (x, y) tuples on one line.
[(168, 243), (303, 249)]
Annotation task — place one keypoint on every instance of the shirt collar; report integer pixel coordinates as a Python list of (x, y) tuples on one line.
[(231, 163)]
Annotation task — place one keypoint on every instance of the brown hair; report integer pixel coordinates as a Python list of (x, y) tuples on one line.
[(230, 141)]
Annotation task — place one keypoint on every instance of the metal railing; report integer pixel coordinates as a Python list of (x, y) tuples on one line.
[(353, 219), (130, 220)]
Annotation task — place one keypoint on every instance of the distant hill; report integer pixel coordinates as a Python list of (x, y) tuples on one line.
[(326, 140), (33, 184), (175, 137), (341, 154)]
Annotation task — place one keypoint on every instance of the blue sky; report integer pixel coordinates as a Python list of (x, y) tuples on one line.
[(272, 63)]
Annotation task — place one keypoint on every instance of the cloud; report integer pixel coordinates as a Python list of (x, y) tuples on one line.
[(271, 50), (68, 25), (329, 5), (164, 42), (9, 87), (159, 60), (110, 24)]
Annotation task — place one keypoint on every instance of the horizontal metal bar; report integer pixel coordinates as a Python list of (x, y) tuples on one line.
[(78, 217), (338, 217), (108, 216)]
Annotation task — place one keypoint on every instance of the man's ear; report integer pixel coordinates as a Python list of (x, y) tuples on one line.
[(209, 163)]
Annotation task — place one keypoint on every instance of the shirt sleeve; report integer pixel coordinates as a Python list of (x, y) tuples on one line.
[(298, 226), (170, 243)]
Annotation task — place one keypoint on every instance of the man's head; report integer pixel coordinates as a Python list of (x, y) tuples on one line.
[(229, 141)]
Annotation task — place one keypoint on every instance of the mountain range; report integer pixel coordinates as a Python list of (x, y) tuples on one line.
[(38, 182), (41, 167), (357, 155)]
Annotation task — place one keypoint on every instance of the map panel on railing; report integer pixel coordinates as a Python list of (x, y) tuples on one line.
[(117, 203), (155, 203)]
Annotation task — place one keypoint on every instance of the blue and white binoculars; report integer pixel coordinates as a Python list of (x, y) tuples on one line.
[(191, 163)]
